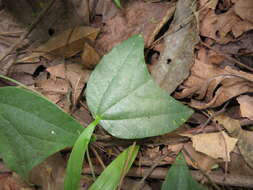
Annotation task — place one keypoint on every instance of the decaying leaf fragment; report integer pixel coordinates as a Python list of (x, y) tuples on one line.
[(176, 59), (245, 138), (65, 45), (213, 85), (137, 17), (203, 161), (224, 27), (65, 80), (217, 145), (246, 105), (90, 56)]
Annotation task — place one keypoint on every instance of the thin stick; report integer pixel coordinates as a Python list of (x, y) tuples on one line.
[(22, 37), (139, 185), (98, 157), (91, 165)]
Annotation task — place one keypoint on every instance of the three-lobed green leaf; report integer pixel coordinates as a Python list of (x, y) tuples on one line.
[(32, 129), (122, 92)]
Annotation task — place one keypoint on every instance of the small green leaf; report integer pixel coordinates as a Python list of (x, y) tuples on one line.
[(75, 163), (179, 177), (123, 93), (117, 3), (110, 177), (31, 129)]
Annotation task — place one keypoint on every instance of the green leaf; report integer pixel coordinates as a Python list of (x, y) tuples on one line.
[(122, 92), (117, 3), (75, 163), (31, 129), (110, 177), (179, 177)]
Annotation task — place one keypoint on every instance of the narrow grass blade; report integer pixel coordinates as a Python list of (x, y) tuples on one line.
[(74, 168), (110, 177), (117, 3)]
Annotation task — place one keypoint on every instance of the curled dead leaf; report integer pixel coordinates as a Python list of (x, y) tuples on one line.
[(211, 85)]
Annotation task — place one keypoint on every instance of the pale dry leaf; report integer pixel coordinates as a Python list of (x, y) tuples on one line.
[(245, 138), (217, 145), (57, 71), (204, 162), (65, 45), (244, 9), (246, 105), (77, 77), (57, 86)]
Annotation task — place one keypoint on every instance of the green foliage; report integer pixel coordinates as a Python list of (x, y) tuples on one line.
[(124, 94), (121, 96), (31, 129), (179, 177), (117, 3), (75, 163), (110, 177)]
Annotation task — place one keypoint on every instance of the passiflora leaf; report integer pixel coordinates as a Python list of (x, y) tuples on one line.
[(122, 92), (179, 177), (31, 129), (110, 177), (75, 162)]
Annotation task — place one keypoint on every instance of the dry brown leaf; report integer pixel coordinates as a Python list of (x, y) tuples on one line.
[(90, 57), (204, 162), (244, 9), (57, 71), (65, 45), (219, 27), (77, 77), (217, 145), (213, 85), (137, 17), (245, 138), (56, 86), (13, 182), (246, 105), (238, 166), (49, 174)]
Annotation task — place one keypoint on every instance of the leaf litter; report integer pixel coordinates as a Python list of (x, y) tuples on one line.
[(203, 77)]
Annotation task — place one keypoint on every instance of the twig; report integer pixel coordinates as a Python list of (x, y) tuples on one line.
[(161, 172), (228, 57), (91, 165), (150, 170), (22, 37), (98, 157)]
